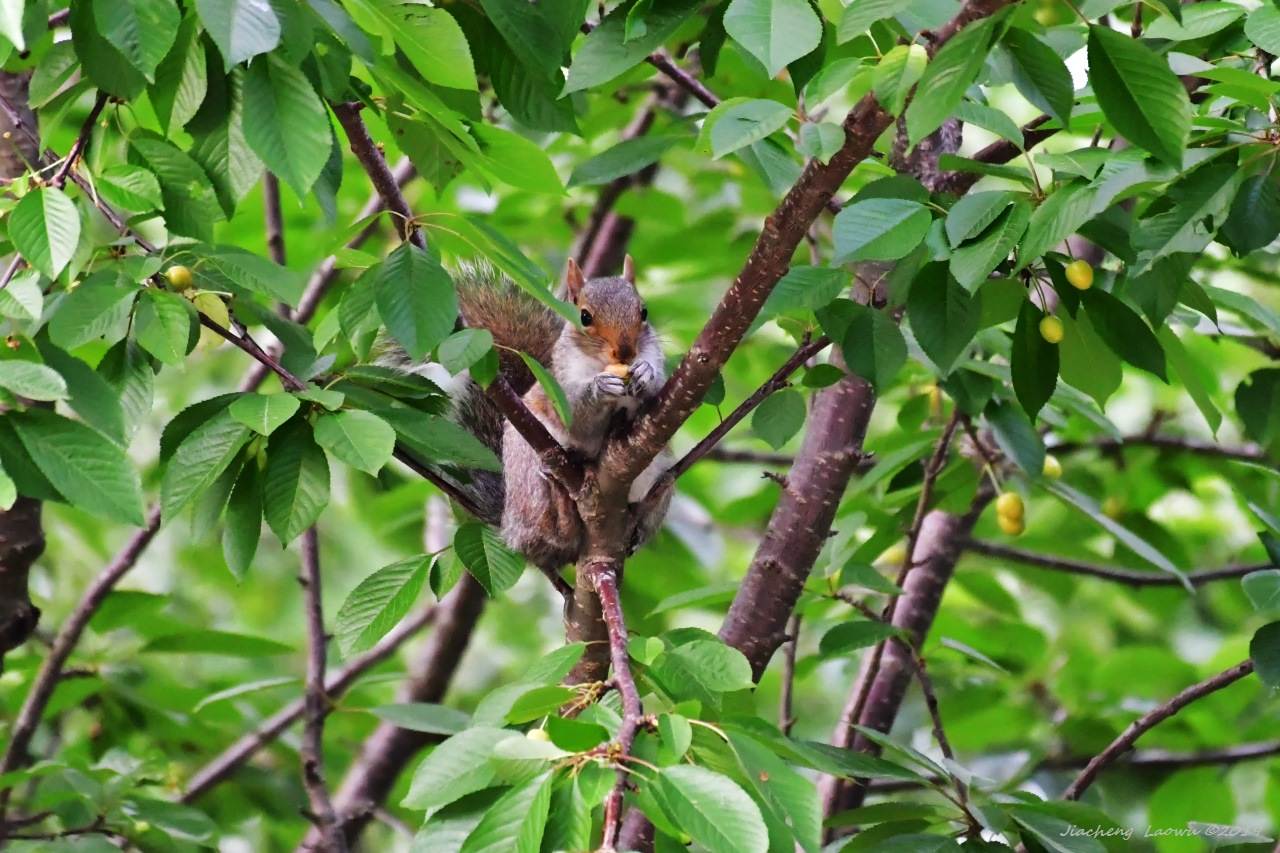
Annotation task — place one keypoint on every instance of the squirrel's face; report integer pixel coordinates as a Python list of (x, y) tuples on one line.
[(611, 314)]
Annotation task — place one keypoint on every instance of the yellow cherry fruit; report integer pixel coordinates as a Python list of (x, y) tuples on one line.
[(1112, 508), (1009, 504), (893, 555), (1080, 275), (1052, 467), (1010, 526), (1051, 329), (179, 277), (538, 734)]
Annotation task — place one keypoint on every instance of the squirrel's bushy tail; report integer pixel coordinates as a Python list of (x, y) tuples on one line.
[(487, 299)]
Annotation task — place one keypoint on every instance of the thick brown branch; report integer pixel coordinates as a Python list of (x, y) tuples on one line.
[(1130, 577), (375, 166), (316, 701), (1150, 720)]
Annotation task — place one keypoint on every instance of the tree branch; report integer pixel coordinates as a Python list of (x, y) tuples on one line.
[(1130, 577), (231, 758), (1150, 720), (786, 717), (375, 166), (273, 217), (59, 179), (315, 700), (774, 383), (605, 582), (1173, 444)]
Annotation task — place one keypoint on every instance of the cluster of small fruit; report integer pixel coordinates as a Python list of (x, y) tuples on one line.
[(1080, 275), (1010, 510)]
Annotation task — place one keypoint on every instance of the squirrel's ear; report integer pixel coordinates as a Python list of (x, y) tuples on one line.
[(574, 280), (629, 269)]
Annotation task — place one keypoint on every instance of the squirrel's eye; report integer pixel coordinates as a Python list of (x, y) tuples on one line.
[(644, 313), (586, 317)]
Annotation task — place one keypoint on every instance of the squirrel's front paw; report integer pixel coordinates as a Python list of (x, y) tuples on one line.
[(643, 378), (610, 385)]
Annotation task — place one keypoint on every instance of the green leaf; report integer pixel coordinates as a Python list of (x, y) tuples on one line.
[(1124, 331), (1263, 28), (895, 76), (165, 325), (1263, 589), (776, 32), (378, 603), (712, 809), (437, 439), (625, 158), (240, 28), (200, 459), (1128, 538), (779, 417), (851, 636), (803, 288), (1264, 650), (45, 229), (861, 14), (879, 229), (90, 395), (32, 380), (551, 387), (182, 78), (142, 30), (516, 161), (464, 348), (243, 527), (90, 470), (973, 263), (1039, 74), (1198, 21), (1033, 362), (1254, 220), (130, 187), (289, 127), (606, 53), (100, 61), (457, 767), (433, 43), (971, 215), (820, 139), (746, 122), (1139, 95), (1087, 362), (1204, 194), (8, 491), (191, 206), (255, 273), (263, 413), (944, 317), (23, 299), (362, 440), (873, 346), (515, 823), (1057, 218), (227, 643), (487, 557), (1258, 405), (951, 72), (296, 486), (416, 299), (423, 717), (1016, 437), (1191, 374)]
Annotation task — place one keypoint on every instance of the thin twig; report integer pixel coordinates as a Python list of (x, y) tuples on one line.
[(940, 734), (375, 166), (1150, 720), (82, 141), (786, 717), (273, 217), (316, 701), (1173, 444), (606, 585), (248, 745), (774, 383), (1131, 577)]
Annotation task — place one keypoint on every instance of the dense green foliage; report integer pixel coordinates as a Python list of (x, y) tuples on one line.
[(1156, 159)]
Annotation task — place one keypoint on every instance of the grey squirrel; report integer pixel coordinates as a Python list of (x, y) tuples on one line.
[(608, 365)]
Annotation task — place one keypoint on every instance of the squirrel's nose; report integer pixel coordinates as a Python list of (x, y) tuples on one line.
[(626, 352)]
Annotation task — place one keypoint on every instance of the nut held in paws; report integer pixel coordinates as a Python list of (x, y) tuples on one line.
[(621, 371)]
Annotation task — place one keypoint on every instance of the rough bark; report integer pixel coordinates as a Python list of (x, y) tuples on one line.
[(21, 535), (801, 521), (938, 549)]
